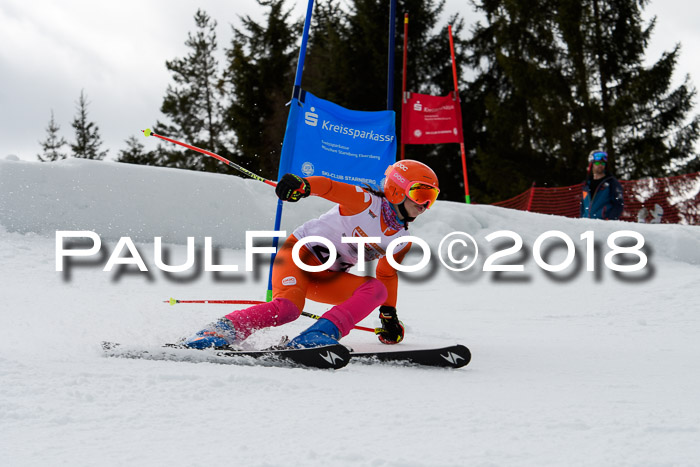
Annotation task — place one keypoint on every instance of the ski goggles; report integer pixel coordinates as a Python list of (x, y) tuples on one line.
[(422, 193)]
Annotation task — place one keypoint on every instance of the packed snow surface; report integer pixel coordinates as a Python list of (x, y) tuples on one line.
[(571, 367)]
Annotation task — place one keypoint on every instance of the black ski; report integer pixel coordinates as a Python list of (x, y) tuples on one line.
[(455, 356), (326, 357)]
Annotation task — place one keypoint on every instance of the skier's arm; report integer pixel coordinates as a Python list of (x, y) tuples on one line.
[(351, 198), (387, 275)]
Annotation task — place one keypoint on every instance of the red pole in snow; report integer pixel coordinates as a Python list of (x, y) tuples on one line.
[(461, 145), (403, 83)]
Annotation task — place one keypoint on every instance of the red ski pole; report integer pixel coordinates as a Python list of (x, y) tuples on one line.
[(174, 301), (361, 328), (147, 132)]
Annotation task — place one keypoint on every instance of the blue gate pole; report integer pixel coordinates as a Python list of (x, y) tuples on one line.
[(392, 48), (284, 165)]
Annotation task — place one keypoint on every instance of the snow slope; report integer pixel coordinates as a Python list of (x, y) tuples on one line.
[(569, 368)]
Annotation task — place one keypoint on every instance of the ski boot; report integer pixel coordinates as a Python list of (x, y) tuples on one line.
[(321, 333), (220, 333)]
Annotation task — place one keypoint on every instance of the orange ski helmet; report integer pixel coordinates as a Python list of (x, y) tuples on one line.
[(412, 179)]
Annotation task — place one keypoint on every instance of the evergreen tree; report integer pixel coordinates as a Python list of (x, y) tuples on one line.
[(52, 145), (347, 55), (558, 78), (347, 64), (260, 75), (87, 134), (192, 104), (135, 153), (348, 52), (643, 118), (523, 119), (327, 71)]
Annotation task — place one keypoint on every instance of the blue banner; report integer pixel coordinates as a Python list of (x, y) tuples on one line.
[(325, 139)]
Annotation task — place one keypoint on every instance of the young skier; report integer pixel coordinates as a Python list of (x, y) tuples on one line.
[(410, 188)]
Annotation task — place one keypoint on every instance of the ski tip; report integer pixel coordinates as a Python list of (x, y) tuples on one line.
[(466, 355), (147, 132), (172, 301), (456, 356)]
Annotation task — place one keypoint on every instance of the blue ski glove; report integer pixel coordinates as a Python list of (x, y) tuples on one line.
[(392, 330), (292, 188)]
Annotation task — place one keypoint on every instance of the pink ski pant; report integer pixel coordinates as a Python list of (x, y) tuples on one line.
[(354, 296)]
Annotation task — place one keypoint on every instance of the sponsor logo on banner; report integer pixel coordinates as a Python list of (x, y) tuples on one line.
[(432, 119), (355, 133), (311, 118), (341, 144), (307, 168)]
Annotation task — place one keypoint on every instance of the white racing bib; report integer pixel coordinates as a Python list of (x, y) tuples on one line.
[(333, 226)]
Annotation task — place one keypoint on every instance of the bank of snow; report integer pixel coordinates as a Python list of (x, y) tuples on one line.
[(570, 368)]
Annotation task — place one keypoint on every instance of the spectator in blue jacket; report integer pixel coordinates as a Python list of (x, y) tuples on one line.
[(603, 197)]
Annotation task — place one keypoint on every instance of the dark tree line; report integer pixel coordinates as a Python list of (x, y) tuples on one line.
[(543, 82), (558, 78)]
